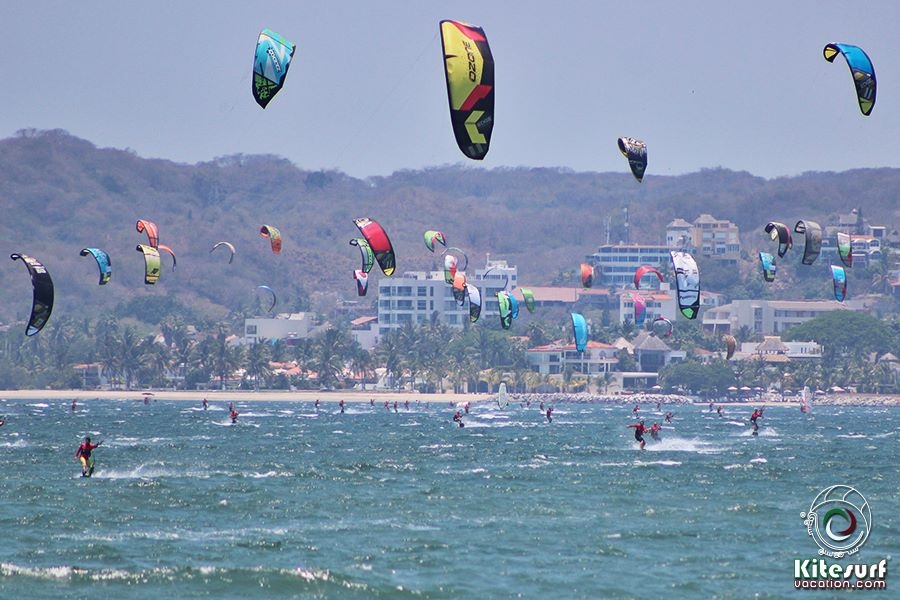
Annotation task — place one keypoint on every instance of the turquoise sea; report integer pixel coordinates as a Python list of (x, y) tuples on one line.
[(295, 502)]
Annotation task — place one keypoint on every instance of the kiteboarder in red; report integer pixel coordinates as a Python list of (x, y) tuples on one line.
[(639, 431), (654, 431), (234, 415), (83, 454)]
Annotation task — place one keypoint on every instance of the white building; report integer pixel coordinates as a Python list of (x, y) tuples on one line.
[(770, 317), (659, 304), (615, 264), (553, 359), (418, 297), (285, 326)]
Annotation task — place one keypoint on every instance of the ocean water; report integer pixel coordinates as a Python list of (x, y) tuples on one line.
[(294, 502)]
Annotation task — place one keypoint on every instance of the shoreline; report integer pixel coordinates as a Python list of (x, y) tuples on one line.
[(356, 396)]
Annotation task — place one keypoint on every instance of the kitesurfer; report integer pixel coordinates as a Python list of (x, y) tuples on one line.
[(205, 404), (634, 411), (341, 404), (317, 404), (549, 414), (757, 414), (719, 410), (466, 407), (669, 416), (83, 454), (234, 415), (231, 407), (457, 417), (542, 406), (654, 431), (710, 406), (406, 405), (74, 404), (639, 431), (395, 406)]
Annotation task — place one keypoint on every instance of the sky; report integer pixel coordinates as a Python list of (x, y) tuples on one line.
[(705, 84)]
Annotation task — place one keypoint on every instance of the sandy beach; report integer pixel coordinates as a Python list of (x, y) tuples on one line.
[(447, 398)]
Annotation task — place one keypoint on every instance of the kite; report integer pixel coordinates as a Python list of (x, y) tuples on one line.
[(813, 245), (513, 306), (780, 232), (730, 345), (270, 66), (103, 262), (687, 283), (267, 231), (362, 281), (228, 245), (151, 263), (169, 250), (640, 308), (587, 275), (643, 270), (839, 279), (433, 237), (474, 302), (42, 300), (662, 327), (579, 331), (379, 242), (860, 68), (469, 69), (274, 297), (767, 261), (151, 229), (636, 153), (505, 309), (845, 248), (528, 298), (366, 254), (459, 287), (451, 263)]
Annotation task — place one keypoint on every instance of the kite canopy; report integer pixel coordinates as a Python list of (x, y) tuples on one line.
[(272, 292), (365, 252), (643, 270), (362, 281), (687, 282), (781, 233), (505, 309), (813, 245), (151, 229), (42, 300), (528, 298), (451, 263), (270, 65), (152, 263), (640, 308), (845, 249), (267, 231), (839, 279), (228, 245), (861, 70), (433, 237), (171, 253), (103, 262), (587, 275), (469, 70), (661, 327), (379, 242), (636, 153), (730, 345), (474, 302), (579, 331), (767, 262)]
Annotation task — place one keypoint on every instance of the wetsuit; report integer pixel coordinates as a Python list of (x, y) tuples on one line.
[(234, 416), (654, 431), (639, 431), (84, 455)]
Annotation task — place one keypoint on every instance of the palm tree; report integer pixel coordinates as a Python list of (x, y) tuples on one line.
[(328, 356), (258, 357)]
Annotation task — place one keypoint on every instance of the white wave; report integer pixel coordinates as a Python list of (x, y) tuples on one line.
[(666, 463)]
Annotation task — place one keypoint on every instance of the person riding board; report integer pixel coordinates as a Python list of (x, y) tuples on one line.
[(654, 431), (549, 414), (83, 454), (205, 404), (234, 415), (639, 431), (757, 414)]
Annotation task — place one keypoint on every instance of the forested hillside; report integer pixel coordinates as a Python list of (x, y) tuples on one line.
[(59, 194)]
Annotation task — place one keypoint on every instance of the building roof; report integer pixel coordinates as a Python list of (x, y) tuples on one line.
[(359, 321), (772, 344), (679, 223), (646, 342)]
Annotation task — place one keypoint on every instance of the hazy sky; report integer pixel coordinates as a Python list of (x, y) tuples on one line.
[(741, 85)]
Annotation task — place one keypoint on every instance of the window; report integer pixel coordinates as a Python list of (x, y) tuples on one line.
[(251, 330)]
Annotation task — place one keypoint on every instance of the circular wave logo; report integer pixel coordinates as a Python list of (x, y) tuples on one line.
[(839, 521)]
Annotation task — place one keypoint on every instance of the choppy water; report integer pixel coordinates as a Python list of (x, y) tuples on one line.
[(292, 502)]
